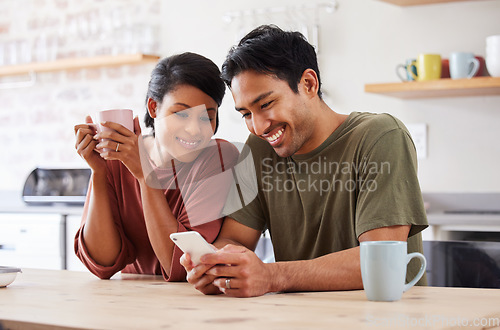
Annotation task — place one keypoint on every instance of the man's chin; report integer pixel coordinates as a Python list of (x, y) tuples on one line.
[(283, 152)]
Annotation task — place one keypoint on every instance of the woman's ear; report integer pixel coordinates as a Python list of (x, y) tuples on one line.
[(309, 82), (152, 108)]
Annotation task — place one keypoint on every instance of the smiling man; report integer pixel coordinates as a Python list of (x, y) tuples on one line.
[(326, 181)]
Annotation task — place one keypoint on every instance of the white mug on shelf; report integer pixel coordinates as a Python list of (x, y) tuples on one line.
[(493, 40), (493, 55)]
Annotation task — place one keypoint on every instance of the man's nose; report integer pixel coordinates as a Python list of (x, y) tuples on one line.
[(260, 124)]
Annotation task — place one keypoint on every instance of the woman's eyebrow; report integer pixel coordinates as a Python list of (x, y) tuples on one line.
[(188, 106), (183, 104)]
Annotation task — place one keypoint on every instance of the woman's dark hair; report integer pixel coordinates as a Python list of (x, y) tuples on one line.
[(270, 50), (185, 69)]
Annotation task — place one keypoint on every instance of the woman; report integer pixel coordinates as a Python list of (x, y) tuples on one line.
[(142, 190)]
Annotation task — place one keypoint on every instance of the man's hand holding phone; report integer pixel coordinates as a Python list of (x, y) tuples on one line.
[(193, 243), (194, 247)]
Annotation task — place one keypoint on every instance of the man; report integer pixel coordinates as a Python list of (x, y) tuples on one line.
[(326, 181)]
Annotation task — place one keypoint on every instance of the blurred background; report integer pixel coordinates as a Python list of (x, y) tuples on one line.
[(359, 42)]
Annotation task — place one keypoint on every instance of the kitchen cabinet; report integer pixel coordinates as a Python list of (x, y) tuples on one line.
[(32, 240), (37, 240), (34, 236), (72, 226), (478, 86), (78, 63)]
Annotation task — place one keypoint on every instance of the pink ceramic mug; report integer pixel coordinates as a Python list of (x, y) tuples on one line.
[(123, 117)]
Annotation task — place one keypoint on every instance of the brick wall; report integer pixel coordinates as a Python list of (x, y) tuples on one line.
[(36, 123)]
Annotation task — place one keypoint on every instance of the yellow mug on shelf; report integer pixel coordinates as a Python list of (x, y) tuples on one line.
[(428, 67)]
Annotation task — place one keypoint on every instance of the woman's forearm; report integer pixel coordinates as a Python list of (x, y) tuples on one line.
[(100, 234), (160, 223)]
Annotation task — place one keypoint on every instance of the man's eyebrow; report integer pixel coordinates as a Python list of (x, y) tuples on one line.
[(257, 99)]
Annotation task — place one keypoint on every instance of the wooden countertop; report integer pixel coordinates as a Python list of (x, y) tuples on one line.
[(63, 299)]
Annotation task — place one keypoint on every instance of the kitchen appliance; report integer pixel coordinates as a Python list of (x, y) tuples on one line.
[(463, 249), (56, 185), (472, 264)]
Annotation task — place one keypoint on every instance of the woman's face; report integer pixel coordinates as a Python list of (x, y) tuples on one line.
[(184, 123)]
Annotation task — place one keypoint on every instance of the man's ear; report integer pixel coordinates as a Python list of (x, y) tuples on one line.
[(309, 83), (152, 107)]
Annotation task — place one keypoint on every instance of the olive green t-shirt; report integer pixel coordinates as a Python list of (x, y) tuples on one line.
[(362, 177)]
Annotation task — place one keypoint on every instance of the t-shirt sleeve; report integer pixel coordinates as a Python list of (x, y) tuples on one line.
[(127, 253), (389, 191)]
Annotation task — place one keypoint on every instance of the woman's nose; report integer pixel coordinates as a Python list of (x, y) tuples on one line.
[(193, 127)]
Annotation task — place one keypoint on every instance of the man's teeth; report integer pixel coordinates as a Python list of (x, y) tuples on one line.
[(275, 136)]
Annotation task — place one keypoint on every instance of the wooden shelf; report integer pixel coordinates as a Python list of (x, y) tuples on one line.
[(479, 86), (78, 63), (404, 3)]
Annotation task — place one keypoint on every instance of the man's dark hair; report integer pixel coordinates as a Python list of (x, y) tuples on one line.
[(185, 69), (270, 50)]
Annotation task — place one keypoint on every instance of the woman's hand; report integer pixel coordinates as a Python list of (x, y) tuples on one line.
[(121, 144), (86, 145)]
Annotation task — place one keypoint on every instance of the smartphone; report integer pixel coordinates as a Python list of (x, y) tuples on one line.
[(193, 243)]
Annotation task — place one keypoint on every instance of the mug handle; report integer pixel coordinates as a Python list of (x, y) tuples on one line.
[(410, 71), (398, 71), (423, 265), (474, 68)]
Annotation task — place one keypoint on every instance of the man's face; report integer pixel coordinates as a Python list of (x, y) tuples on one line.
[(273, 112)]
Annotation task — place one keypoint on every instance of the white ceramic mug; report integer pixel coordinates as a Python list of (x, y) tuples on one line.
[(493, 55), (493, 40), (463, 65), (383, 269)]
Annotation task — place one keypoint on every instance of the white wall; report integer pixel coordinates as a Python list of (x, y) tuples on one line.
[(360, 43)]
